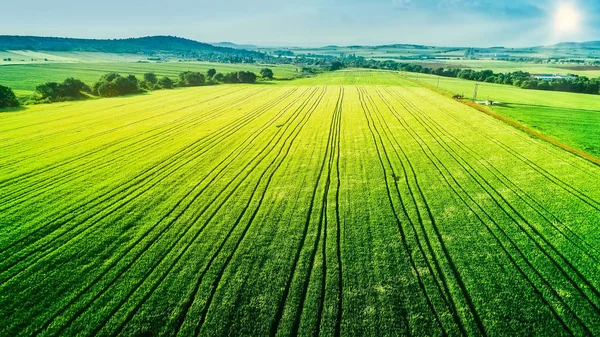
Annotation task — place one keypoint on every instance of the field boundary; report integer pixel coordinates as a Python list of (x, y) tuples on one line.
[(582, 154)]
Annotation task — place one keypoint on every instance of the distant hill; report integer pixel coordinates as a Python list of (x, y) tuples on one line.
[(578, 45), (151, 45)]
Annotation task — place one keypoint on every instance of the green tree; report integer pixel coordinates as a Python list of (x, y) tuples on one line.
[(166, 83), (266, 73), (151, 78), (7, 98), (211, 73), (191, 79), (113, 84), (337, 65), (246, 77), (219, 77)]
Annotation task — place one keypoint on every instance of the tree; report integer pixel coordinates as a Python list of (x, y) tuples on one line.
[(69, 90), (72, 87), (113, 84), (211, 73), (191, 79), (219, 77), (266, 73), (7, 98), (166, 83), (337, 65), (246, 77), (151, 78), (108, 89)]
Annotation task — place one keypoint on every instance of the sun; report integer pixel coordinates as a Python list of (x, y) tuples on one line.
[(567, 18)]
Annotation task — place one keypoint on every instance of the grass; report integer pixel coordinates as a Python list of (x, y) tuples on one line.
[(341, 208)]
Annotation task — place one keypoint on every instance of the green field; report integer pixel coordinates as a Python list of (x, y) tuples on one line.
[(573, 119), (25, 77), (335, 207)]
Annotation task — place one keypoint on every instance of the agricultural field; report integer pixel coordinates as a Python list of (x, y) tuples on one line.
[(349, 207), (25, 77), (571, 118)]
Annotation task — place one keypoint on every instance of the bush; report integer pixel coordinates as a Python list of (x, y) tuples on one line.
[(150, 82), (166, 83), (69, 90), (191, 79), (7, 98), (219, 77), (240, 77), (266, 73), (211, 73), (113, 84)]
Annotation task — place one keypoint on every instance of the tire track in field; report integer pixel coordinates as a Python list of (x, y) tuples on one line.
[(548, 175), (75, 171), (569, 235), (184, 127), (551, 259), (175, 125), (99, 119), (215, 284), (207, 138), (202, 142), (51, 132), (338, 241), (70, 116), (445, 293), (329, 158), (501, 199), (187, 159), (227, 161), (274, 142), (182, 253), (414, 135), (59, 164), (192, 158), (283, 301), (549, 150), (334, 164)]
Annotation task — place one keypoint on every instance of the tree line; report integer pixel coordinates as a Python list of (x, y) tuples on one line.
[(115, 84), (522, 79)]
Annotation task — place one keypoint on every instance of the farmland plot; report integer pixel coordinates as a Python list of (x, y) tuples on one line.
[(286, 210)]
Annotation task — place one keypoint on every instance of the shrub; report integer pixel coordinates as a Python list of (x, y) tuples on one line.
[(7, 98), (113, 84), (267, 73), (69, 90), (191, 79), (166, 83)]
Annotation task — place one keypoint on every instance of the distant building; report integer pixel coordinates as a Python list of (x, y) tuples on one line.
[(550, 77), (502, 55)]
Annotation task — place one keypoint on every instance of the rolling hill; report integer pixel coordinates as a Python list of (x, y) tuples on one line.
[(150, 45)]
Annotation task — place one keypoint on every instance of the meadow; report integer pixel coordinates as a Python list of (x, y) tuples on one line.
[(354, 203)]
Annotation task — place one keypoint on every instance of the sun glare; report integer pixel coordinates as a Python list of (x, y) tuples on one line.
[(567, 18)]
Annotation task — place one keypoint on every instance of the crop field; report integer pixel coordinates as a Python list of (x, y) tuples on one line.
[(340, 208)]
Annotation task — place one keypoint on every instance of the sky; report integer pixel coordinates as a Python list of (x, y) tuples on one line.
[(313, 23)]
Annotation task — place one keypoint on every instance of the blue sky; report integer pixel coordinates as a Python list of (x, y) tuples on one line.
[(307, 22)]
